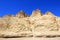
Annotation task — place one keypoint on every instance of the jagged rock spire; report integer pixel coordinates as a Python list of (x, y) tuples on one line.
[(21, 14), (36, 13), (49, 13)]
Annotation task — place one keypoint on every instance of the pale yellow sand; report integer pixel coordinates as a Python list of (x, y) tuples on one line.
[(57, 38)]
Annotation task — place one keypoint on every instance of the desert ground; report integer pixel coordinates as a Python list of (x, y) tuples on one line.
[(57, 38)]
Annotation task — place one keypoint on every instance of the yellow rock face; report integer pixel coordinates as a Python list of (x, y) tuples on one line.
[(36, 13), (37, 22)]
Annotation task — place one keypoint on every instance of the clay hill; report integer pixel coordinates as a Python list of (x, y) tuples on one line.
[(37, 24)]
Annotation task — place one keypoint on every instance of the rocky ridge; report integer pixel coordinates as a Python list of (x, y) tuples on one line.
[(37, 24)]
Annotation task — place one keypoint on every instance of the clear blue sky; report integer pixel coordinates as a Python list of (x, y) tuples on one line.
[(13, 6)]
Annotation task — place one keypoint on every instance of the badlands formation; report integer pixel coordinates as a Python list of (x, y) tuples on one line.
[(37, 24)]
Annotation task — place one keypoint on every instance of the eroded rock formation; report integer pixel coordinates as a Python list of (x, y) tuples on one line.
[(22, 25)]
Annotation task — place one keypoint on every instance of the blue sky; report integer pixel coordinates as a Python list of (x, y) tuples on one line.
[(14, 6)]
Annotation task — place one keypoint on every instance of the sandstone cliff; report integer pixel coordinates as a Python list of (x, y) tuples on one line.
[(36, 24)]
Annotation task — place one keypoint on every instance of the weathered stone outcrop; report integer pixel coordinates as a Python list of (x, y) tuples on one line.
[(37, 24)]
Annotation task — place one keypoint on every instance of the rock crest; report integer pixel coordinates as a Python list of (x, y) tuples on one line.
[(36, 23)]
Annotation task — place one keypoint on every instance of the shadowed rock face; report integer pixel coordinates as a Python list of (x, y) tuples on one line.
[(36, 13), (21, 14)]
